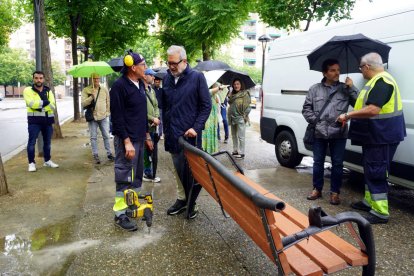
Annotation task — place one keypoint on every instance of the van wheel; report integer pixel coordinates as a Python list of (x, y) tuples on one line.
[(287, 150)]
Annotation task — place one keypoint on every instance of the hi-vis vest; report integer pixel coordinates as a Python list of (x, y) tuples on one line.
[(388, 126), (34, 104)]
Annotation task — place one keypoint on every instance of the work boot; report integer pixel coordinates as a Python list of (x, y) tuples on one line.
[(315, 194), (178, 207), (124, 222), (373, 219), (360, 205), (334, 200), (96, 158)]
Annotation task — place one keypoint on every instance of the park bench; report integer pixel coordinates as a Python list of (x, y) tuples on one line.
[(296, 243)]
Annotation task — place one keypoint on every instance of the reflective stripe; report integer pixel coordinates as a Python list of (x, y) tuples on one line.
[(367, 197), (120, 204), (387, 115), (31, 103), (381, 196), (382, 210), (40, 114)]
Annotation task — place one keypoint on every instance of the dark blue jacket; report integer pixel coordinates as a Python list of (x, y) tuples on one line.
[(158, 94), (185, 105), (128, 110)]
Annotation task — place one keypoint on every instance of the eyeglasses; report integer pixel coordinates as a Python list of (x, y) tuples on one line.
[(361, 66), (141, 64), (174, 63)]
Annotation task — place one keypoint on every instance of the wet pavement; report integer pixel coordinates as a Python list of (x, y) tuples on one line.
[(63, 224)]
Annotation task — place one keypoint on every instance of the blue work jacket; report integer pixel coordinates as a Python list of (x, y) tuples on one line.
[(128, 110)]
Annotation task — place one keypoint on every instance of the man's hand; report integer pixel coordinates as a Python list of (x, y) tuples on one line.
[(149, 145), (129, 149), (190, 133), (342, 119), (156, 122), (349, 82)]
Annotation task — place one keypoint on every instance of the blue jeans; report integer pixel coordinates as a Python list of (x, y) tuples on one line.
[(93, 129), (337, 150), (34, 130), (223, 111)]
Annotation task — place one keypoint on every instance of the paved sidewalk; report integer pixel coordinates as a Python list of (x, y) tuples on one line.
[(60, 221)]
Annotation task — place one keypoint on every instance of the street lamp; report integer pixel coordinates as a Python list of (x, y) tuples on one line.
[(264, 39)]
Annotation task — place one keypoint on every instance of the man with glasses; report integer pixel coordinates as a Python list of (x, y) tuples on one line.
[(130, 130), (98, 96), (186, 106), (377, 124)]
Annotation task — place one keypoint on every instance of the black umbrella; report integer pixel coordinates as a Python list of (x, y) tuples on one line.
[(231, 74), (348, 50), (160, 72), (210, 65), (116, 63)]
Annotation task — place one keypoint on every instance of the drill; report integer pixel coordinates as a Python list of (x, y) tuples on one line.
[(137, 209)]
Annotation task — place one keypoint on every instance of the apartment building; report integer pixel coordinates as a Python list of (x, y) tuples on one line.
[(247, 49)]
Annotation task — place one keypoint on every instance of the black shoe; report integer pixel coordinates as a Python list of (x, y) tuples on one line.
[(125, 223), (178, 207), (359, 205), (96, 158), (373, 219), (234, 153), (111, 157), (226, 141), (193, 212)]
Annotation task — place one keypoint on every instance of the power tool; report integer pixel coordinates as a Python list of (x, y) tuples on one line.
[(137, 209)]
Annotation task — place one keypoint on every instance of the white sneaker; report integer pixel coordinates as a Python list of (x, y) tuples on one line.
[(50, 164), (32, 167), (156, 179)]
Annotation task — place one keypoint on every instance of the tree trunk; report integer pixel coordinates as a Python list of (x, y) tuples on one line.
[(3, 181), (206, 52), (74, 22), (47, 64)]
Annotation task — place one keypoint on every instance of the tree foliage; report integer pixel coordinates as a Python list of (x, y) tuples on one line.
[(288, 14), (8, 20), (201, 26), (15, 66)]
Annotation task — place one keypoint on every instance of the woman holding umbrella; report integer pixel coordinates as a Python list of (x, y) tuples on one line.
[(238, 116)]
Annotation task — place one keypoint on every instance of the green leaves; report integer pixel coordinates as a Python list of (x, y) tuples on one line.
[(9, 22), (288, 14), (201, 25), (15, 67)]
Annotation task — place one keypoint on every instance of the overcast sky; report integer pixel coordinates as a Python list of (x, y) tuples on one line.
[(364, 9)]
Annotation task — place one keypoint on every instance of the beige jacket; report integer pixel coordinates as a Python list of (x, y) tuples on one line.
[(102, 109)]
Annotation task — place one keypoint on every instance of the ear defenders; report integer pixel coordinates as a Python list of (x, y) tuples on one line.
[(128, 59)]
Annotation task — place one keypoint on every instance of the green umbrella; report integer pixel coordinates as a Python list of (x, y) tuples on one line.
[(86, 69)]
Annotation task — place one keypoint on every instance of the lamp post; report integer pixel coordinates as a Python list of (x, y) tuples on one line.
[(264, 39)]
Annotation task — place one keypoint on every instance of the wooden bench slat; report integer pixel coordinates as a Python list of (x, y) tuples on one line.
[(246, 214), (347, 251), (321, 253)]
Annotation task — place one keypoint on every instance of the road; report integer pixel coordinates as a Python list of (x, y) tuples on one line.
[(13, 123)]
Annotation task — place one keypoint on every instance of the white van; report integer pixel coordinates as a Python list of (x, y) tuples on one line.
[(287, 79)]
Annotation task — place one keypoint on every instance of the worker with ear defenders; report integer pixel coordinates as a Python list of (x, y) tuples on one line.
[(130, 129)]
